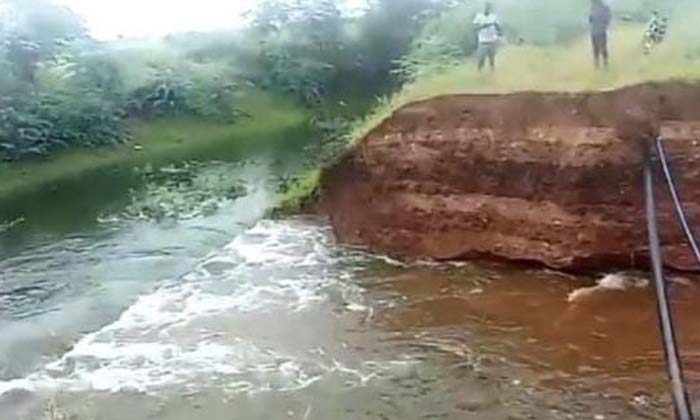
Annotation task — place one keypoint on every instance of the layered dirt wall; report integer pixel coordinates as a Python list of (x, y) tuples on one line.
[(550, 178)]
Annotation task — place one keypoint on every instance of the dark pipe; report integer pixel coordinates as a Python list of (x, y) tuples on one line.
[(675, 371)]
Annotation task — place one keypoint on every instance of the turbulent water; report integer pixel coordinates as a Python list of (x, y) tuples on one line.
[(232, 317)]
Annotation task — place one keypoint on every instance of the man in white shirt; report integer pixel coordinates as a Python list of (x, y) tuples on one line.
[(488, 32)]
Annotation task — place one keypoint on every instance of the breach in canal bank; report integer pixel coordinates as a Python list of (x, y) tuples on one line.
[(549, 178)]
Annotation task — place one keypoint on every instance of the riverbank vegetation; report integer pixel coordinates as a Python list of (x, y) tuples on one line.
[(71, 104), (62, 89), (164, 141)]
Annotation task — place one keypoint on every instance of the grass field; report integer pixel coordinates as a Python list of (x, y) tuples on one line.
[(563, 69)]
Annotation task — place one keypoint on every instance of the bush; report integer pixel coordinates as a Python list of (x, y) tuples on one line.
[(36, 124), (173, 95), (444, 41)]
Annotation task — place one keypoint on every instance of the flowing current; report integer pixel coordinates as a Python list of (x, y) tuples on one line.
[(234, 317)]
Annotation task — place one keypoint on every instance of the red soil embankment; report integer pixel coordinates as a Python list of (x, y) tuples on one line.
[(550, 178)]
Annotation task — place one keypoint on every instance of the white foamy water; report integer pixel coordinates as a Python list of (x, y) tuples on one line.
[(609, 282), (229, 322)]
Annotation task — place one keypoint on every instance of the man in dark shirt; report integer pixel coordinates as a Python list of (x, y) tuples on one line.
[(600, 23)]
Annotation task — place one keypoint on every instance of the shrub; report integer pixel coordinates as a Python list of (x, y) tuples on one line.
[(36, 124)]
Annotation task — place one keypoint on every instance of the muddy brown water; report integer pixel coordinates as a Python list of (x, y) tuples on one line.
[(232, 317), (281, 323)]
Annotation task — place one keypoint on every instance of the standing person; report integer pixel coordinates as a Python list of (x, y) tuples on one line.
[(488, 31), (600, 23)]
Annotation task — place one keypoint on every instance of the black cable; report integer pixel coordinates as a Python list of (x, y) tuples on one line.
[(680, 209), (675, 371)]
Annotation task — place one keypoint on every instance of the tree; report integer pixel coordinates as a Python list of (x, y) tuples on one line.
[(388, 30), (32, 31), (300, 42)]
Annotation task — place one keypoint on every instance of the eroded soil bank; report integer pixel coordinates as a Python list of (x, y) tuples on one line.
[(546, 178)]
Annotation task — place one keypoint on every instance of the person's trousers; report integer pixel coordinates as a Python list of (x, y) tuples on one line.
[(600, 48), (487, 50)]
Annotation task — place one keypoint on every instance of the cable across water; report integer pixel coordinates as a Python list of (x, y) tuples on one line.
[(678, 204), (673, 361)]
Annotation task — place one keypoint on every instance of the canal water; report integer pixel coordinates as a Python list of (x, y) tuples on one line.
[(229, 315)]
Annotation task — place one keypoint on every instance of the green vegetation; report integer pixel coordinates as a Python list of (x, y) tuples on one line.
[(61, 88), (163, 141), (70, 105), (551, 69), (552, 63), (181, 191), (298, 194)]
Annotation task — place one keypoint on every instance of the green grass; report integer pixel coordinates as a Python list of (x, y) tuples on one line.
[(302, 194), (553, 69), (162, 141)]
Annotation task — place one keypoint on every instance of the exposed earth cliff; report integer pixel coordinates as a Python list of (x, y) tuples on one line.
[(550, 178)]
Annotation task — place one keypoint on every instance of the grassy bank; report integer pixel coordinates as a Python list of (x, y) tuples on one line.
[(301, 196), (552, 69), (160, 142)]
